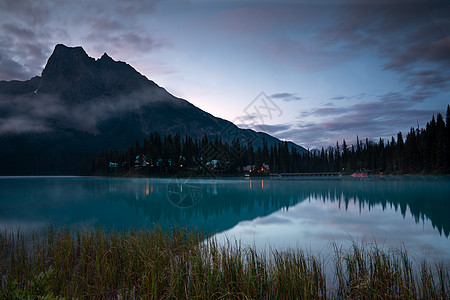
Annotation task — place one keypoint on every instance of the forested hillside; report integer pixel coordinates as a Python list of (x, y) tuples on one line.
[(423, 150)]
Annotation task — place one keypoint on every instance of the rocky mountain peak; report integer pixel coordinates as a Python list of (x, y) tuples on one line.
[(65, 62), (74, 76), (106, 57)]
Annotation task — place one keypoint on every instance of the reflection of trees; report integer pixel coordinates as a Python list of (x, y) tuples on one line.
[(426, 199), (223, 204), (131, 203)]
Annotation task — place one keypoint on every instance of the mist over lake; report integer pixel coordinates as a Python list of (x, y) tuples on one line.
[(393, 211)]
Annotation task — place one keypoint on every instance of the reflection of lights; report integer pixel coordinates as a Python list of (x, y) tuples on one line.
[(146, 189), (250, 183), (262, 184), (183, 198)]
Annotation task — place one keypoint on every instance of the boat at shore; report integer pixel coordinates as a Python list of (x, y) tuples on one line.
[(361, 173)]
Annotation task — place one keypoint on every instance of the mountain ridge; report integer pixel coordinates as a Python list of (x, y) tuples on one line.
[(102, 103)]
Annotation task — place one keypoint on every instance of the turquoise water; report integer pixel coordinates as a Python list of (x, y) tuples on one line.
[(278, 213)]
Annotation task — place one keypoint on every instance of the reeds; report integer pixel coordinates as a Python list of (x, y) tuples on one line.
[(182, 264)]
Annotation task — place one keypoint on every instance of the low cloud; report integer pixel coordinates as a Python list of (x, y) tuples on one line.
[(19, 125), (274, 129), (40, 112), (288, 97), (28, 113)]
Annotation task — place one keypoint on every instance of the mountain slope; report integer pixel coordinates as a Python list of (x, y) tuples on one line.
[(81, 105)]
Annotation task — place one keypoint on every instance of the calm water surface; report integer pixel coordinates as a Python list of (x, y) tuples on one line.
[(307, 213)]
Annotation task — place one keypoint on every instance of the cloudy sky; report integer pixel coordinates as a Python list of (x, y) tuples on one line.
[(308, 71)]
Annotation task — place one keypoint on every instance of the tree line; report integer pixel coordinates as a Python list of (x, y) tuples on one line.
[(423, 150)]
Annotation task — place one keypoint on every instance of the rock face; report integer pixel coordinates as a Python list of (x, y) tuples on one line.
[(80, 106), (75, 76)]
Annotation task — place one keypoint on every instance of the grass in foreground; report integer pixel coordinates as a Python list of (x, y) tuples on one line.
[(182, 265)]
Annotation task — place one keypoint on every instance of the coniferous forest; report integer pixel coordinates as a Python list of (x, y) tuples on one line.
[(421, 151)]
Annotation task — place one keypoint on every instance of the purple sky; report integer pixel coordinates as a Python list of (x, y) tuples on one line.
[(325, 71)]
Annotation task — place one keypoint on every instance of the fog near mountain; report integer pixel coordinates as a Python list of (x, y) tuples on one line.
[(81, 105), (40, 103), (26, 114)]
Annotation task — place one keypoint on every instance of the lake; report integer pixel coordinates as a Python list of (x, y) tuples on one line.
[(394, 211)]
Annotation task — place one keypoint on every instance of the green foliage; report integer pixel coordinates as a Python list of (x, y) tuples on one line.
[(181, 264), (38, 288)]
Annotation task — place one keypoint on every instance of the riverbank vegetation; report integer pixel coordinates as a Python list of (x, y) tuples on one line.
[(182, 264), (423, 151)]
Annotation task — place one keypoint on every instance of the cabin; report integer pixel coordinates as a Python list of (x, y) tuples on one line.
[(248, 168), (113, 165), (216, 164), (140, 161)]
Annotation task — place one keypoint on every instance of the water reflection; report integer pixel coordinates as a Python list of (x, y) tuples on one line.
[(211, 205)]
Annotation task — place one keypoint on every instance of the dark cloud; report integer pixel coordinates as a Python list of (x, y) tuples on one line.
[(27, 11), (409, 36), (326, 111), (355, 97), (339, 98), (286, 97), (413, 37), (19, 32), (276, 24), (104, 23), (10, 69), (128, 41), (118, 30), (273, 129), (131, 9), (21, 60), (30, 30), (383, 117), (24, 39)]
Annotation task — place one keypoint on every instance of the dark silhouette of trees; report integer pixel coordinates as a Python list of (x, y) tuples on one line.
[(425, 151)]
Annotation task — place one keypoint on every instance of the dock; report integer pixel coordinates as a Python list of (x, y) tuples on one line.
[(309, 174)]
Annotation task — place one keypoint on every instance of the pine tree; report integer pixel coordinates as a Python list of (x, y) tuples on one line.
[(447, 141), (337, 157), (400, 152), (393, 160), (344, 155), (440, 144)]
